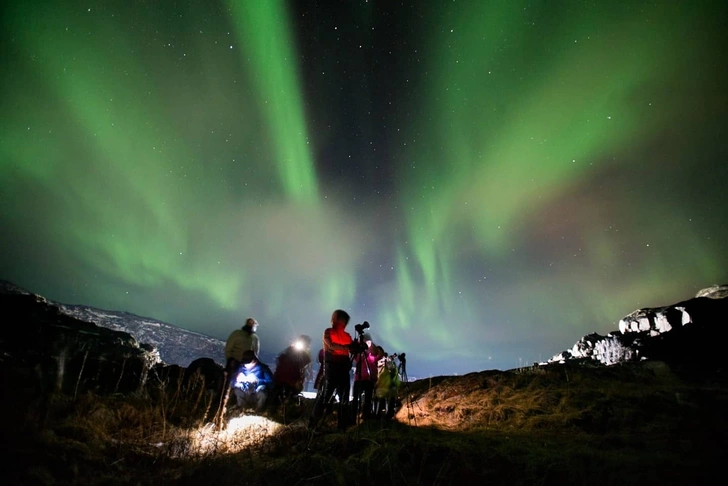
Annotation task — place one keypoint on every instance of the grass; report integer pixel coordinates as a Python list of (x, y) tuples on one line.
[(636, 424)]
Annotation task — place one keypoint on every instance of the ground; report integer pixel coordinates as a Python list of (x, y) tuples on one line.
[(642, 423)]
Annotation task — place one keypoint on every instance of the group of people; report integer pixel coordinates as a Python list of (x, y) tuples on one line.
[(376, 377), (252, 381)]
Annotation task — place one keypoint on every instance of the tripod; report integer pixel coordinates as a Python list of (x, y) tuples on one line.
[(403, 373), (361, 385)]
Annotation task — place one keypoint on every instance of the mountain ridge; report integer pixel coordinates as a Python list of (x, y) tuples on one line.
[(176, 346)]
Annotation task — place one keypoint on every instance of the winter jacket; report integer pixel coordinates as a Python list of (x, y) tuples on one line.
[(336, 334), (258, 378), (240, 341), (290, 367), (366, 365), (388, 381)]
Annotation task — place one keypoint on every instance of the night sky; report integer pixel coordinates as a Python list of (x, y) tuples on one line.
[(483, 181)]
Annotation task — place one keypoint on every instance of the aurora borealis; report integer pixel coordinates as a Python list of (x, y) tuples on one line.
[(484, 182)]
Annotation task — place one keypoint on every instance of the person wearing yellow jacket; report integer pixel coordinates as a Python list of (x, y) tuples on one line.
[(241, 340), (387, 387)]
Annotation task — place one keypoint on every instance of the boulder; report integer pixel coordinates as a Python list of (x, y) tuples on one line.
[(210, 373), (608, 350), (174, 380)]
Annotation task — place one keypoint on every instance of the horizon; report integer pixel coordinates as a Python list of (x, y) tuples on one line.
[(483, 182), (271, 354)]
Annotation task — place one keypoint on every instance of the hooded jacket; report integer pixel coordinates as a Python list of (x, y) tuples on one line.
[(240, 341), (366, 365), (256, 379), (388, 381)]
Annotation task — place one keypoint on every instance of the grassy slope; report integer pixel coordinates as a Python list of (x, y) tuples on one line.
[(636, 424)]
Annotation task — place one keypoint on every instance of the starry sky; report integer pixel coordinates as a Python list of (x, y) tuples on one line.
[(483, 182)]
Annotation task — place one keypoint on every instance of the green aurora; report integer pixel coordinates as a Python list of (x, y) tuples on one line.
[(484, 182)]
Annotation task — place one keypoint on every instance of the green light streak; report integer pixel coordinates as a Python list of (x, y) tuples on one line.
[(263, 32), (506, 139), (125, 202), (337, 292)]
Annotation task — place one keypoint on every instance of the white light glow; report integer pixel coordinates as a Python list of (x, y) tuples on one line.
[(241, 432)]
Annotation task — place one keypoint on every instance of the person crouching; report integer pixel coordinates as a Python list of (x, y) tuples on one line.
[(252, 383)]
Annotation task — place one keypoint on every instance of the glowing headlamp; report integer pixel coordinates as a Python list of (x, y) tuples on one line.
[(298, 345)]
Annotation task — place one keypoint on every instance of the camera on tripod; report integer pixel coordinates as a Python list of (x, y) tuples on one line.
[(359, 346), (360, 328)]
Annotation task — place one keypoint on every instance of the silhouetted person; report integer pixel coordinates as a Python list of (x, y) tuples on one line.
[(291, 366), (336, 345)]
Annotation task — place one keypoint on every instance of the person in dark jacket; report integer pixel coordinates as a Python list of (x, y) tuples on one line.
[(319, 381), (291, 368), (253, 383)]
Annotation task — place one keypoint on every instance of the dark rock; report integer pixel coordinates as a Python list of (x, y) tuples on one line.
[(207, 370), (166, 376), (173, 344), (68, 355)]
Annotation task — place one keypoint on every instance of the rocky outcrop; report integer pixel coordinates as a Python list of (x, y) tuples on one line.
[(61, 354), (707, 306), (610, 349), (688, 332), (714, 292)]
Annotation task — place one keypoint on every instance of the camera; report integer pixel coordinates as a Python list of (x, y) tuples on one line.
[(357, 347), (360, 328)]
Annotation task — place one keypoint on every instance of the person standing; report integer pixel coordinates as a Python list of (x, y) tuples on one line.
[(241, 340), (387, 387), (318, 382), (337, 363), (365, 376)]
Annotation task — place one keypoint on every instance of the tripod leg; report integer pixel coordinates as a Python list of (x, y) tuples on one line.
[(284, 409)]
